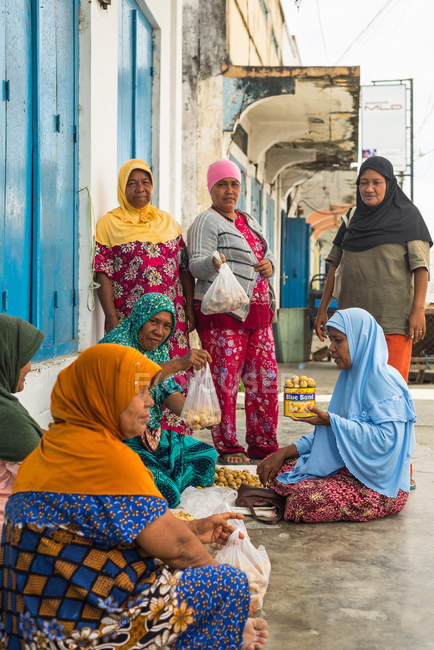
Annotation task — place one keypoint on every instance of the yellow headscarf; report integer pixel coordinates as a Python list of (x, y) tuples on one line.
[(126, 224), (82, 451)]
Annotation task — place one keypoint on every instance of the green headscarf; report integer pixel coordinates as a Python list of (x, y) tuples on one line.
[(127, 332), (19, 433)]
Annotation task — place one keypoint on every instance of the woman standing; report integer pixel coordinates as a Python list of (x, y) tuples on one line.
[(139, 249), (242, 345), (179, 460), (383, 258), (19, 433)]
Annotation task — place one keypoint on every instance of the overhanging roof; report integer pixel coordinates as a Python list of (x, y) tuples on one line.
[(305, 118)]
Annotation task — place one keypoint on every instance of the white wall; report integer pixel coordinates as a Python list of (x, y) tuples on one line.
[(98, 116)]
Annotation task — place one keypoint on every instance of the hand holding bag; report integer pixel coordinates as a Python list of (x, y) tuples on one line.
[(225, 295), (201, 407)]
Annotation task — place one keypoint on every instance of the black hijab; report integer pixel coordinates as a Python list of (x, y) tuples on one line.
[(395, 220)]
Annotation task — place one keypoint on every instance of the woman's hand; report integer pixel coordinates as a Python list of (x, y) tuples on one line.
[(268, 468), (218, 262), (321, 417), (190, 317), (417, 324), (264, 268), (320, 323), (196, 358), (215, 529), (110, 323)]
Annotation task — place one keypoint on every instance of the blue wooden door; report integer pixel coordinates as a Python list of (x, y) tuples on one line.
[(256, 201), (16, 157), (134, 84), (294, 262), (55, 192), (270, 222)]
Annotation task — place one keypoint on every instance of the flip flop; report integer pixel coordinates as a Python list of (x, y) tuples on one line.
[(223, 459)]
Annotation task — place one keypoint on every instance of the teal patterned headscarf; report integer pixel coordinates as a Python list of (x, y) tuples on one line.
[(127, 332)]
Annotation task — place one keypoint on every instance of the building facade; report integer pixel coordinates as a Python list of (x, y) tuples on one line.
[(179, 83), (94, 83)]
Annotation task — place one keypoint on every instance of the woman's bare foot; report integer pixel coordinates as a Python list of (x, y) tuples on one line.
[(255, 634)]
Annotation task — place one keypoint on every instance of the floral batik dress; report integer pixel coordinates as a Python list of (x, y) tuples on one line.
[(136, 268), (244, 350), (71, 576)]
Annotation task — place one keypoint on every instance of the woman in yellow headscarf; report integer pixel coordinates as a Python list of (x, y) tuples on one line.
[(140, 249), (85, 525)]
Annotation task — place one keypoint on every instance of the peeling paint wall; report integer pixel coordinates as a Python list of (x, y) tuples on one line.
[(216, 35), (204, 53)]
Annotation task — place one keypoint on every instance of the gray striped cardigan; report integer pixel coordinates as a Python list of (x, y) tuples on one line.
[(211, 232)]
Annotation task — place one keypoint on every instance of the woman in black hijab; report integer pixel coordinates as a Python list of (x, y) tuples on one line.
[(382, 253)]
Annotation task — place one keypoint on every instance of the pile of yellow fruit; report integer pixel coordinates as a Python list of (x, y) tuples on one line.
[(233, 478), (300, 382)]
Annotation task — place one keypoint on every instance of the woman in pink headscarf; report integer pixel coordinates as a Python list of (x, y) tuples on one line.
[(241, 345)]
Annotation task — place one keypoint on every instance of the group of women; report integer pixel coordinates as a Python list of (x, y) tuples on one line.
[(91, 556), (140, 250)]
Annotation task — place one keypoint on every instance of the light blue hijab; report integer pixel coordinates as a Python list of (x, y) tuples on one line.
[(371, 415)]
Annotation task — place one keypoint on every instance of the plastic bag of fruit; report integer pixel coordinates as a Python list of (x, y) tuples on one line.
[(201, 407), (225, 295), (255, 563)]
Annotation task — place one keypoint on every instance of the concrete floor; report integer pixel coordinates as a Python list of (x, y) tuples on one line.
[(354, 586)]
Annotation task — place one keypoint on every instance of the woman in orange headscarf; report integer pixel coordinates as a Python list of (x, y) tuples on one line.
[(85, 524), (140, 249)]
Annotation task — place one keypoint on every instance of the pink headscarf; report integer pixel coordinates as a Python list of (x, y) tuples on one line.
[(222, 169)]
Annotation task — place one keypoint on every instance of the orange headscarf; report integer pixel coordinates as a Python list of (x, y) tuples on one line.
[(126, 223), (82, 452)]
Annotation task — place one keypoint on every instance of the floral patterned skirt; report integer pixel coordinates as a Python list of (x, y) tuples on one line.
[(341, 497)]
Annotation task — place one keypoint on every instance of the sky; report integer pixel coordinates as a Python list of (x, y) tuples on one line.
[(388, 39)]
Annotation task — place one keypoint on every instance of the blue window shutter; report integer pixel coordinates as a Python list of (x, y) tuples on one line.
[(143, 97), (125, 83), (55, 233), (16, 158), (134, 84)]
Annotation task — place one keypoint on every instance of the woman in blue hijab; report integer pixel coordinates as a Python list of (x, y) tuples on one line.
[(355, 466)]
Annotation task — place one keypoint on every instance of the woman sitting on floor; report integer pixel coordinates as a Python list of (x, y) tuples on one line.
[(179, 461), (19, 433), (355, 466), (91, 556)]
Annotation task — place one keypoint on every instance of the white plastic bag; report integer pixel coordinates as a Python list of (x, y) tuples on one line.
[(207, 501), (255, 563), (226, 294), (201, 407)]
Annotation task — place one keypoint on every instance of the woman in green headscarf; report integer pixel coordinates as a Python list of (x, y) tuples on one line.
[(177, 461), (19, 433)]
